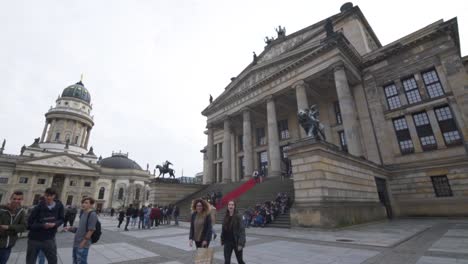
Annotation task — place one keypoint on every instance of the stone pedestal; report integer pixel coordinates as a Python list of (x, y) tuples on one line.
[(332, 188)]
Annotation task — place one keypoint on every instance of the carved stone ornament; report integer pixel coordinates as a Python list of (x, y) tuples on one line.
[(61, 162)]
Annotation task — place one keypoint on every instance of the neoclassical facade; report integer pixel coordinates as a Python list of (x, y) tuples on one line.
[(61, 159), (402, 107)]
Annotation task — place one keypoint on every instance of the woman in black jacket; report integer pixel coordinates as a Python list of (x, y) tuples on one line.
[(233, 234), (200, 224)]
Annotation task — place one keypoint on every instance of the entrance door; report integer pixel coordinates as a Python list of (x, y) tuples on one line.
[(383, 195)]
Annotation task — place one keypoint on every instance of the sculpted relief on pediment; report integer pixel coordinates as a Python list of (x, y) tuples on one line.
[(61, 162)]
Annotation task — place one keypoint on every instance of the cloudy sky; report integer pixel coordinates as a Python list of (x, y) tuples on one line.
[(151, 65)]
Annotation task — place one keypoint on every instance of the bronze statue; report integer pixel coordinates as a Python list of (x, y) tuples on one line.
[(23, 148), (165, 169), (329, 27), (255, 57), (308, 118), (268, 40), (281, 31), (211, 99)]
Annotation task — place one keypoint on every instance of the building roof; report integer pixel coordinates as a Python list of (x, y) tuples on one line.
[(78, 91), (119, 161)]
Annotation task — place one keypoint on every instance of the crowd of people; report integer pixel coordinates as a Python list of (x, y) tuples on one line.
[(42, 222), (148, 217), (264, 214), (213, 197)]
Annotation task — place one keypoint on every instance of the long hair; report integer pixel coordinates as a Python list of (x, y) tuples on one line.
[(229, 221), (206, 206)]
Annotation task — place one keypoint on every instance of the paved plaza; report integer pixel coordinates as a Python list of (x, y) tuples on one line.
[(415, 241)]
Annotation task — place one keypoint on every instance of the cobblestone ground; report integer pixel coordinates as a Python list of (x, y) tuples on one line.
[(415, 241)]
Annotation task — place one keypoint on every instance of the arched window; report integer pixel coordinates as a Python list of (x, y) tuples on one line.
[(101, 193), (137, 194), (121, 193)]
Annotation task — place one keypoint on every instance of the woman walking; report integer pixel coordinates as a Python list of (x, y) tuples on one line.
[(233, 234), (200, 224)]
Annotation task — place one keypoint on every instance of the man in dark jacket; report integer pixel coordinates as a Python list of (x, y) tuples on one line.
[(128, 214), (43, 222), (12, 222)]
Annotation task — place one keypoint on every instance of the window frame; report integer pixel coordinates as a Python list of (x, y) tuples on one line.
[(437, 188), (432, 83), (86, 183), (261, 137), (45, 180), (342, 139), (413, 81), (403, 135), (423, 131), (389, 97), (338, 117), (446, 123), (20, 180), (283, 129)]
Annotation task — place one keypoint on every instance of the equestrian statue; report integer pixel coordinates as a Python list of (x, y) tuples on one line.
[(308, 118), (165, 169)]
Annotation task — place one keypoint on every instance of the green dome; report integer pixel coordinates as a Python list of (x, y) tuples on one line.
[(77, 91)]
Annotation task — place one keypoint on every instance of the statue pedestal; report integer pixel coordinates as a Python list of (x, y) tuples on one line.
[(332, 188)]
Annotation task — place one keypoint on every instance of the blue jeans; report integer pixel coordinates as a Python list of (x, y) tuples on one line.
[(80, 255), (41, 257), (4, 255)]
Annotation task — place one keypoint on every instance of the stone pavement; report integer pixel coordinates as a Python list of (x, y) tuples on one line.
[(412, 241)]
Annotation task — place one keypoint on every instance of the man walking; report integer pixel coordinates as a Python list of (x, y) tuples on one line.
[(176, 215), (128, 214), (84, 231), (43, 222), (12, 222)]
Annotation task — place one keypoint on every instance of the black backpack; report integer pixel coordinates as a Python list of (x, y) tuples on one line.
[(97, 231)]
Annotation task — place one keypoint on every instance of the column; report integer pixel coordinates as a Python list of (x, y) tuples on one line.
[(227, 151), (302, 103), (210, 174), (83, 137), (44, 131), (51, 130), (130, 190), (274, 158), (234, 161), (111, 194), (65, 189), (247, 144), (88, 133), (348, 111)]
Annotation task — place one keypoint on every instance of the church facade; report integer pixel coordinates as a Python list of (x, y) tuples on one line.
[(402, 108), (61, 159)]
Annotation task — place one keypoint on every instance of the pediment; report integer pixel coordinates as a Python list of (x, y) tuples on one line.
[(60, 161)]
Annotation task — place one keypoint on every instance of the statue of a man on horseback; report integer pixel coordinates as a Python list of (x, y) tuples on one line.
[(308, 118), (165, 169)]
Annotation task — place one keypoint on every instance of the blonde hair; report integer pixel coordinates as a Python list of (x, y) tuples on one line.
[(206, 206)]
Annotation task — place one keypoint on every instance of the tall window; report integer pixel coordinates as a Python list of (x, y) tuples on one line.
[(147, 195), (283, 129), (411, 90), (263, 162), (241, 168), (424, 129), (220, 150), (448, 126), (393, 99), (121, 194), (343, 144), (432, 82), (441, 186), (57, 136), (69, 200), (137, 194), (240, 142), (76, 140), (101, 193), (403, 135), (261, 138), (336, 105)]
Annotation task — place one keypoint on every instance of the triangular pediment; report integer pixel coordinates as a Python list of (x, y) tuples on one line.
[(60, 161)]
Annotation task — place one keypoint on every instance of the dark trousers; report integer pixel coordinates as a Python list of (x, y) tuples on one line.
[(48, 247), (128, 221), (140, 223), (120, 222), (228, 248), (199, 243), (4, 255)]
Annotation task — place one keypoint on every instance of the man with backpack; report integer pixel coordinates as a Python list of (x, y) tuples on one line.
[(12, 222), (87, 232)]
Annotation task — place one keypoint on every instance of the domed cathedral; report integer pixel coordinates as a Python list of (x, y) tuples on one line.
[(62, 159), (394, 120)]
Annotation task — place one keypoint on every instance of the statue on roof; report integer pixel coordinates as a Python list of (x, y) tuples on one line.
[(308, 118), (23, 148), (329, 27), (3, 146), (211, 99), (35, 143), (255, 58), (268, 40), (165, 169), (281, 31)]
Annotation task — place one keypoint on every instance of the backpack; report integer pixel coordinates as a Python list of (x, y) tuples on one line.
[(97, 231)]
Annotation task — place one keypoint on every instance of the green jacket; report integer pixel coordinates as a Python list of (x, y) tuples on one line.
[(16, 224)]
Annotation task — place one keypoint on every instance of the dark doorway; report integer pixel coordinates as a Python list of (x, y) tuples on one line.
[(383, 195), (57, 185)]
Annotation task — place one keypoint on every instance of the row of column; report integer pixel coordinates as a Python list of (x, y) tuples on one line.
[(86, 132), (349, 118)]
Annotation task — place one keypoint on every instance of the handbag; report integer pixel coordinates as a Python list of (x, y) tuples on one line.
[(204, 256)]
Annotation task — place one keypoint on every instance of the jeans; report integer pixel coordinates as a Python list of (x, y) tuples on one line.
[(228, 248), (4, 255), (41, 257), (128, 221), (48, 247), (176, 220), (80, 255), (134, 221)]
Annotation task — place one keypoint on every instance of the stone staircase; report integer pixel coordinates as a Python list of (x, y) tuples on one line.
[(260, 193)]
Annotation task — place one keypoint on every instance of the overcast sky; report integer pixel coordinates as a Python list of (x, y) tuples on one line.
[(151, 65)]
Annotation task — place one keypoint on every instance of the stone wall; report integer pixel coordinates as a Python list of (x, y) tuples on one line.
[(170, 193), (333, 188)]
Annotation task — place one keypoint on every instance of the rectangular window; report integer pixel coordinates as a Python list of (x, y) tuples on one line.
[(261, 138), (411, 90), (240, 142), (72, 183), (41, 181), (441, 186), (424, 129), (87, 184), (343, 144), (336, 105), (57, 136), (3, 180), (283, 129), (220, 150), (432, 82), (241, 168), (23, 180), (263, 162), (393, 99), (447, 125), (403, 135)]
